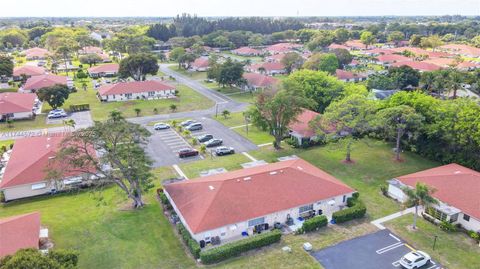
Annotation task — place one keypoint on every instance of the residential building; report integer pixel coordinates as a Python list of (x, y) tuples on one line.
[(37, 82), (348, 76), (200, 64), (90, 50), (282, 48), (355, 45), (25, 172), (36, 54), (271, 69), (19, 232), (457, 189), (420, 66), (388, 59), (334, 46), (235, 204), (301, 130), (257, 81), (461, 49), (136, 90), (104, 70), (247, 51), (27, 71), (18, 106)]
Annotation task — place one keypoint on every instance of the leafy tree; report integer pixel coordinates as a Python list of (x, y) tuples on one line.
[(305, 35), (6, 66), (367, 38), (321, 40), (173, 107), (397, 121), (55, 95), (177, 54), (14, 37), (162, 31), (123, 160), (32, 258), (420, 196), (433, 42), (90, 59), (404, 76), (343, 56), (137, 111), (415, 40), (291, 61), (230, 73), (138, 66), (341, 35), (476, 41), (327, 62), (186, 60), (318, 86), (63, 52), (225, 113), (427, 80), (395, 37), (380, 82), (455, 80), (350, 116), (274, 111)]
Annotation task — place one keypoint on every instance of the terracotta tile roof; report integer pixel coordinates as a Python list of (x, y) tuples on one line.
[(134, 87), (219, 200), (36, 52), (42, 81), (259, 80), (268, 66), (301, 125), (462, 49), (467, 65), (442, 62), (201, 62), (17, 232), (282, 47), (378, 51), (28, 160), (246, 51), (420, 51), (392, 58), (337, 46), (420, 66), (13, 102), (454, 184), (276, 57), (355, 44), (91, 50), (104, 68), (29, 70), (346, 75)]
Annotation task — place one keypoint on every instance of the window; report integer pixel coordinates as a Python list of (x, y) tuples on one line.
[(344, 198), (151, 94), (453, 218), (305, 208), (128, 95), (39, 186), (255, 222), (466, 217), (436, 213)]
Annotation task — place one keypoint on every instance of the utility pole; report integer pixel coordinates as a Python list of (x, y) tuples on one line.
[(434, 242)]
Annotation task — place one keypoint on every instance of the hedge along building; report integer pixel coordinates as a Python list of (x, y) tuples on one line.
[(242, 202)]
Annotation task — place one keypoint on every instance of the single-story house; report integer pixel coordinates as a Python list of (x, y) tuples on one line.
[(420, 51), (28, 71), (282, 48), (270, 69), (257, 81), (461, 49), (468, 66), (104, 70), (378, 51), (247, 51), (90, 50), (36, 54), (19, 232), (457, 190), (276, 58), (355, 45), (239, 203), (124, 91), (391, 58), (334, 46), (37, 82), (16, 106), (25, 174), (200, 64), (348, 76), (300, 128), (442, 62), (420, 66)]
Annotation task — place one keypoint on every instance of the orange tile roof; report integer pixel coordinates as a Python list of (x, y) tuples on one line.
[(17, 232), (13, 102), (392, 58), (247, 51), (259, 80), (104, 68), (36, 52), (301, 124), (29, 70), (134, 87), (219, 200), (454, 184), (42, 81), (421, 66), (201, 62)]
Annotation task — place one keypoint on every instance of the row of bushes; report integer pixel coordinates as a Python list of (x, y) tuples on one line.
[(192, 245), (356, 209), (314, 223), (236, 248), (165, 201)]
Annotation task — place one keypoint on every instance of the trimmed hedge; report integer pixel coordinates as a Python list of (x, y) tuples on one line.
[(350, 213), (314, 223), (192, 245), (236, 248)]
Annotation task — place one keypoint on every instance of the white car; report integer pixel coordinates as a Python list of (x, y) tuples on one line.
[(414, 259), (57, 113), (161, 126)]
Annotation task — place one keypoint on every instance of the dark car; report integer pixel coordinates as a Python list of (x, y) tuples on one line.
[(187, 122), (220, 151), (196, 126), (204, 138), (213, 142), (188, 152)]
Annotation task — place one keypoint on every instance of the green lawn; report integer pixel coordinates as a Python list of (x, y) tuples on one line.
[(253, 59), (232, 92), (22, 125), (229, 162), (188, 100), (105, 235), (191, 74), (452, 250), (6, 144), (254, 134)]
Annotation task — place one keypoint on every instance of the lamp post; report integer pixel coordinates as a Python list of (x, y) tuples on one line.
[(434, 242)]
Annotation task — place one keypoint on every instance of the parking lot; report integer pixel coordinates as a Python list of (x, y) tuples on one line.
[(382, 249), (164, 144), (81, 118)]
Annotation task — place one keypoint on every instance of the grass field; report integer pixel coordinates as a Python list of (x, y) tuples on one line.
[(254, 134), (229, 162), (190, 74), (6, 144), (22, 125), (453, 250), (188, 100)]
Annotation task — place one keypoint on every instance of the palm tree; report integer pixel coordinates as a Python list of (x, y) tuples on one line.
[(173, 107), (137, 111), (421, 195), (428, 81), (455, 82), (69, 123), (116, 115)]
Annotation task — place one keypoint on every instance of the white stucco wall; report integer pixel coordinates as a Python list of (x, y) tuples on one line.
[(138, 96)]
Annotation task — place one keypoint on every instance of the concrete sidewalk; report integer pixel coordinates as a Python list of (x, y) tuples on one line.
[(378, 222)]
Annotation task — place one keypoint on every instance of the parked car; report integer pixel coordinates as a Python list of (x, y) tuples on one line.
[(213, 142), (56, 113), (161, 126), (204, 138), (187, 123), (187, 152), (220, 151), (414, 259), (194, 126)]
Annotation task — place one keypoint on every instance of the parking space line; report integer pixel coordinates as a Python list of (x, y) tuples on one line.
[(179, 171), (433, 266), (410, 247), (396, 263), (175, 142), (168, 140), (388, 248), (394, 237), (249, 156), (266, 144)]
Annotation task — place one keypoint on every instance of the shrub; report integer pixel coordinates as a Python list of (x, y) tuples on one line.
[(165, 201), (192, 245), (474, 235), (67, 258), (356, 195), (315, 223), (447, 226), (354, 212), (351, 201), (236, 248), (194, 141)]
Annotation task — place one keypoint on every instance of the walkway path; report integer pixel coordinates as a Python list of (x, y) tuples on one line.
[(378, 222)]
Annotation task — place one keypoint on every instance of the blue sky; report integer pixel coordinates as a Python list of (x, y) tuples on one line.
[(112, 8)]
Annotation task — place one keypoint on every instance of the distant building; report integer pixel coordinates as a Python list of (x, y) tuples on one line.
[(37, 82), (348, 76), (27, 71), (17, 106), (420, 66), (136, 90), (36, 54), (269, 68), (104, 70), (200, 64), (247, 51), (257, 81)]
